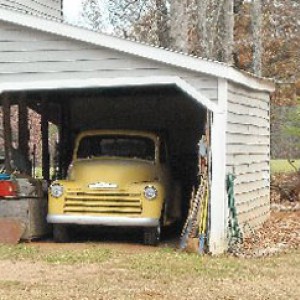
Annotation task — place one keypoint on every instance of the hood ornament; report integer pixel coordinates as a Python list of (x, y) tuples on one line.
[(102, 185)]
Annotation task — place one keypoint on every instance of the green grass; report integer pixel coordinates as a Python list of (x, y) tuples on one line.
[(283, 166), (68, 257), (160, 263), (86, 256), (19, 252)]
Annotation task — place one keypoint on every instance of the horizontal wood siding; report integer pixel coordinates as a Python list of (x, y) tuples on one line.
[(248, 153), (45, 8), (29, 55)]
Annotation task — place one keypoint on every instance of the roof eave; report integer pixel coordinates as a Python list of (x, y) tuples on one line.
[(135, 48)]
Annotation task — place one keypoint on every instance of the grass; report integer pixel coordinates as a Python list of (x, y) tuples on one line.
[(68, 257), (162, 262), (283, 166), (33, 272), (19, 252), (87, 256)]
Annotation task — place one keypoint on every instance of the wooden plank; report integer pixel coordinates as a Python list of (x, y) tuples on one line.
[(44, 45), (35, 7), (59, 56), (39, 5), (251, 196), (202, 81), (240, 138), (254, 212), (247, 129), (241, 159), (254, 219), (243, 149), (243, 109), (248, 120), (251, 177), (43, 67), (251, 186), (254, 204), (211, 94), (247, 92), (235, 98), (85, 73), (17, 35), (248, 168)]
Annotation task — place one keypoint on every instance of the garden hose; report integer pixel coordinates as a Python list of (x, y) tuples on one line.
[(234, 232)]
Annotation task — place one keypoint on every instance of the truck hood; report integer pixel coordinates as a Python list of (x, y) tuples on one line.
[(120, 172)]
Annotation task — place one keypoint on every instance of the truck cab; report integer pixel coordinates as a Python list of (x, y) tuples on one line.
[(116, 178)]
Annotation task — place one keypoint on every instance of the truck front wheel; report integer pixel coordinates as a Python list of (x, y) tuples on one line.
[(60, 233), (152, 235)]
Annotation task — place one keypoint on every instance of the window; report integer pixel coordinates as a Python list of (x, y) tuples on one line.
[(116, 146)]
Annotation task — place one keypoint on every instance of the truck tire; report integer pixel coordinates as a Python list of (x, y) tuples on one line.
[(60, 233), (152, 235)]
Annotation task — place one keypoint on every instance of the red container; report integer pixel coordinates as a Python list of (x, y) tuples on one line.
[(8, 188)]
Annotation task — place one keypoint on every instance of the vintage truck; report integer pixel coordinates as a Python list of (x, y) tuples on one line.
[(116, 178)]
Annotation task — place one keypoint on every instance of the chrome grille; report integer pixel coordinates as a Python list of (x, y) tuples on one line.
[(103, 203)]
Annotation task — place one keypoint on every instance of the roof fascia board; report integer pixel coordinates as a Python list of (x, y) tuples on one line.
[(142, 50), (111, 83)]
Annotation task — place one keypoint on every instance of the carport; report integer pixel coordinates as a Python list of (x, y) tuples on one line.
[(79, 79)]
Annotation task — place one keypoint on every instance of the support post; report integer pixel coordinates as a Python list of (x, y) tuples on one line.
[(24, 133), (64, 139), (219, 205), (45, 142), (7, 133)]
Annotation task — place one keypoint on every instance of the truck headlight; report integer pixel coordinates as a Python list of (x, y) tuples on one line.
[(150, 192), (56, 190)]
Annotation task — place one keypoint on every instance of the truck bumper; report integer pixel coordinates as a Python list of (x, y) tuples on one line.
[(105, 221)]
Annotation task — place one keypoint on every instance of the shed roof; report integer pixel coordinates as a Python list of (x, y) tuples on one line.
[(161, 55)]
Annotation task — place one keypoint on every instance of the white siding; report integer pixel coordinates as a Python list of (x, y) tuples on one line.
[(248, 153), (45, 8), (30, 55)]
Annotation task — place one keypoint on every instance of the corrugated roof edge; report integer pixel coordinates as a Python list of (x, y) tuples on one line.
[(174, 58)]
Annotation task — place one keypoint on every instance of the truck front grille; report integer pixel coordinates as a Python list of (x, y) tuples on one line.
[(103, 203)]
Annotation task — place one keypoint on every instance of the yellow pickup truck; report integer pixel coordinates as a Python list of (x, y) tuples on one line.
[(116, 178)]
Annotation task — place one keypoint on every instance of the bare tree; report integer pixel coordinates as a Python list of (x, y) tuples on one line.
[(91, 14), (257, 38), (229, 34), (162, 27)]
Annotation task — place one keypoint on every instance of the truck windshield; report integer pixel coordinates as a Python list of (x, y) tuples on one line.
[(116, 146)]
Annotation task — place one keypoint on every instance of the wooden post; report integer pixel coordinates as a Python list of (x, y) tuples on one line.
[(218, 242), (64, 139), (7, 133), (24, 133), (45, 142)]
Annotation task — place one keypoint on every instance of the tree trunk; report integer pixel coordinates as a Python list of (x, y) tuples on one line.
[(202, 27), (179, 25), (229, 35), (256, 30), (161, 15)]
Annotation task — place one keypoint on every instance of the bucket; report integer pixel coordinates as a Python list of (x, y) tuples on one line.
[(8, 189)]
